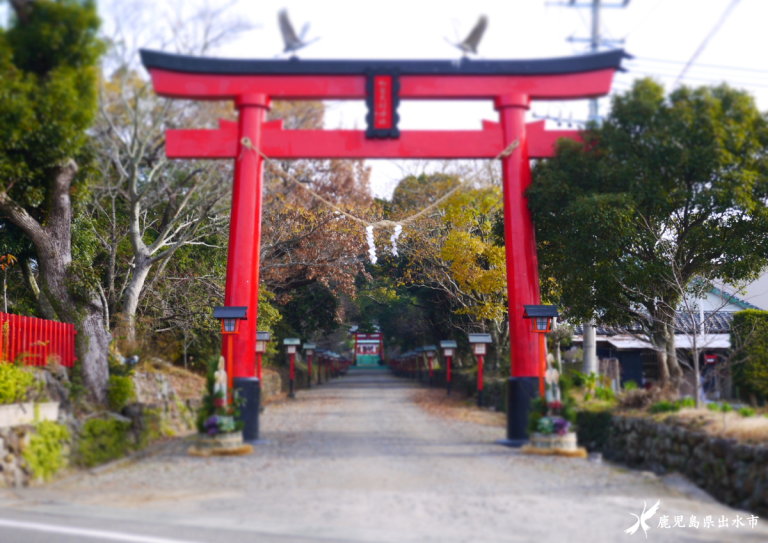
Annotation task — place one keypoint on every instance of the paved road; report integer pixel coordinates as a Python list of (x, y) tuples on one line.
[(358, 460)]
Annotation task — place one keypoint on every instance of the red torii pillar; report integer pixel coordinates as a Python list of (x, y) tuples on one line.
[(512, 85)]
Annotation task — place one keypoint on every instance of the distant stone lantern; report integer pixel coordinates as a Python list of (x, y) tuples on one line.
[(309, 350), (291, 345), (479, 343), (448, 348), (541, 318), (230, 318)]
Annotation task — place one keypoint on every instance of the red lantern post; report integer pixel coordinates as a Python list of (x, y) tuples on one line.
[(479, 342), (262, 338), (291, 344), (230, 323), (309, 349), (541, 320), (448, 347)]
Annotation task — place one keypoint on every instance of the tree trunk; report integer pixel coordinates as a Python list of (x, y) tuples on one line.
[(675, 371), (132, 293), (589, 346), (43, 305), (53, 244)]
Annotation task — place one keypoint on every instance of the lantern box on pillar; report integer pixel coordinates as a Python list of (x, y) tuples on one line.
[(262, 338), (291, 344), (479, 342), (448, 347)]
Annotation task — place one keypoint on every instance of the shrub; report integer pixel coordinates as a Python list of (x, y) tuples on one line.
[(636, 399), (45, 452), (747, 412), (120, 392), (664, 406), (577, 378), (749, 329), (630, 385), (684, 403), (724, 407), (103, 440), (605, 394), (594, 428), (15, 382)]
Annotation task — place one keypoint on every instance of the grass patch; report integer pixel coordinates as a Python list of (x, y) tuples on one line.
[(103, 440)]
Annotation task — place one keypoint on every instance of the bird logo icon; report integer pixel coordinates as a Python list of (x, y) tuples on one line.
[(645, 515)]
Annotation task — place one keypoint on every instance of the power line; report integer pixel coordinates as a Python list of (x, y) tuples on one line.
[(720, 67), (711, 34), (710, 79)]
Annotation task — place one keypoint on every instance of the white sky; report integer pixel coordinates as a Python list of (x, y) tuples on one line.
[(661, 34)]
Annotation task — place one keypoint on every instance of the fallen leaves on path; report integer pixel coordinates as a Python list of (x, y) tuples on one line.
[(437, 402)]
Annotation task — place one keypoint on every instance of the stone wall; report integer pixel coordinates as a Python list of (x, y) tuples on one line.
[(733, 473), (15, 470)]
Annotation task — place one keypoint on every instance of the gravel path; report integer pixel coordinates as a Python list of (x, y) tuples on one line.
[(358, 460)]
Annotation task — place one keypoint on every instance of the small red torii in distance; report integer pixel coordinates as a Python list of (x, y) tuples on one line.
[(253, 84)]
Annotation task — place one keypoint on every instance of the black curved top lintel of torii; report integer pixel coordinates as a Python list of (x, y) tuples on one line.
[(294, 66)]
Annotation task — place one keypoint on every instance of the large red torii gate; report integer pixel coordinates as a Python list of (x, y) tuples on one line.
[(253, 84)]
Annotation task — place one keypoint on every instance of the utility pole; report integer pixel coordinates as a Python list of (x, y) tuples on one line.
[(595, 39)]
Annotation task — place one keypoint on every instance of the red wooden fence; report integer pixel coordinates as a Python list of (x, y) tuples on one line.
[(36, 339)]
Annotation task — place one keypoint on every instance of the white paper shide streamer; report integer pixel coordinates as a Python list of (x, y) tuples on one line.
[(398, 229), (371, 245)]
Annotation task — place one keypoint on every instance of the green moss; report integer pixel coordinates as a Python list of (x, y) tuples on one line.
[(120, 392), (45, 453), (15, 382), (103, 440)]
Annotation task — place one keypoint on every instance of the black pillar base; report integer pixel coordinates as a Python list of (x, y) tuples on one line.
[(430, 381), (479, 398), (449, 388), (249, 389), (521, 391), (290, 393)]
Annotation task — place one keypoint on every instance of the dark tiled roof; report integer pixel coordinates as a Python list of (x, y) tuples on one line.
[(718, 322)]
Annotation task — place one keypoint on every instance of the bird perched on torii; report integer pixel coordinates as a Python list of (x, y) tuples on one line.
[(293, 42), (470, 43)]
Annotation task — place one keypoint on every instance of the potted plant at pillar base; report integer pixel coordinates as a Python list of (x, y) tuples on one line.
[(550, 423), (220, 432)]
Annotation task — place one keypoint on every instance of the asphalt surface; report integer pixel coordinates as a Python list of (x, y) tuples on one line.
[(358, 460)]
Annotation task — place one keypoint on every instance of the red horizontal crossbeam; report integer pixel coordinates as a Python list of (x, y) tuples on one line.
[(352, 87), (352, 144)]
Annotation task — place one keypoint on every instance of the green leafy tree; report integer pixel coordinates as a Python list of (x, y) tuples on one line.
[(49, 64), (749, 335), (667, 185)]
